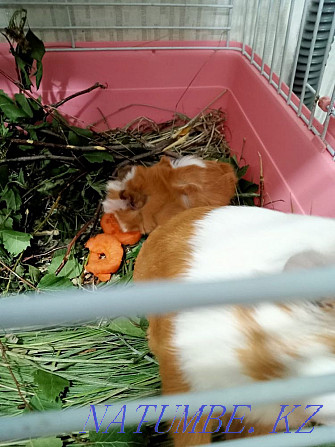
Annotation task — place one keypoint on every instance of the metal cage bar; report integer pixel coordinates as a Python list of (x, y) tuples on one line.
[(33, 310), (309, 60), (261, 393), (324, 62), (287, 35)]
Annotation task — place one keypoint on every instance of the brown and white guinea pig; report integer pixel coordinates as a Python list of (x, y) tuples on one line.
[(150, 196), (227, 346)]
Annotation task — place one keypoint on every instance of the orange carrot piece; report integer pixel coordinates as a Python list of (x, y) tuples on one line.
[(109, 224), (106, 254), (104, 276), (129, 238)]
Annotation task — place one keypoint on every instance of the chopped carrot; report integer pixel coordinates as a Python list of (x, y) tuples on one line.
[(106, 251), (129, 238), (106, 254), (110, 225), (104, 276)]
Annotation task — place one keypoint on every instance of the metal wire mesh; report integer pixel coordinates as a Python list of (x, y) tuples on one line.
[(265, 28), (271, 29)]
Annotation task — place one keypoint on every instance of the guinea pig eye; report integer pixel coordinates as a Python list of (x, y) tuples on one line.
[(129, 198), (122, 195), (132, 203)]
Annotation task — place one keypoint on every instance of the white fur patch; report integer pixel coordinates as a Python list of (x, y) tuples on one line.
[(130, 174), (232, 242), (111, 205), (119, 185), (114, 185), (189, 160)]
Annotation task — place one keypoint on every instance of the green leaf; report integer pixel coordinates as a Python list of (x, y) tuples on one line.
[(78, 136), (4, 173), (246, 186), (12, 198), (72, 268), (22, 101), (98, 156), (51, 385), (6, 222), (36, 45), (34, 273), (10, 109), (15, 242), (52, 282), (115, 439), (40, 402), (124, 326), (38, 74), (242, 171), (25, 147), (45, 442), (99, 186), (24, 70), (232, 160)]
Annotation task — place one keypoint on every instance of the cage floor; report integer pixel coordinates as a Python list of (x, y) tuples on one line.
[(299, 174)]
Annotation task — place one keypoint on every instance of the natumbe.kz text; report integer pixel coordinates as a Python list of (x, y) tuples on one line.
[(184, 421)]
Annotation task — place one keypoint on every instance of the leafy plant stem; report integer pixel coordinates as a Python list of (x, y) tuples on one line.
[(38, 157), (60, 146), (17, 262), (6, 362), (81, 92), (18, 276)]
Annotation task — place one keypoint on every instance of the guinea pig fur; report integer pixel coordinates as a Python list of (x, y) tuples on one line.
[(149, 196), (226, 346)]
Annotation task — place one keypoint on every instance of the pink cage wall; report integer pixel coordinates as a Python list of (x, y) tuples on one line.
[(299, 173)]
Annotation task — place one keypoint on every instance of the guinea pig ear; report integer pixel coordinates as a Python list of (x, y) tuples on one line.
[(135, 200), (187, 191), (309, 259), (165, 161), (125, 171)]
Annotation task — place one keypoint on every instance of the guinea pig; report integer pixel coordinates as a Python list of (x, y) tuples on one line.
[(149, 196), (226, 346)]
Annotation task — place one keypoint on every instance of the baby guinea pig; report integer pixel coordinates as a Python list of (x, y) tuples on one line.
[(149, 196), (227, 346)]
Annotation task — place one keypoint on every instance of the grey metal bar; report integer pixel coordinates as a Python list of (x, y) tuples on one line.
[(143, 48), (47, 310), (329, 113), (287, 35), (261, 393), (324, 63), (255, 30), (296, 57), (266, 36), (97, 27), (182, 5), (310, 55), (231, 4), (70, 24), (244, 27), (275, 45), (310, 88)]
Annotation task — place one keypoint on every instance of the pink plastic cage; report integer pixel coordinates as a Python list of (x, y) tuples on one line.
[(299, 174)]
